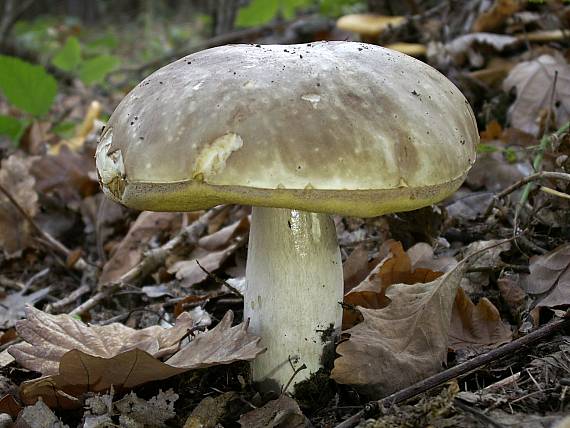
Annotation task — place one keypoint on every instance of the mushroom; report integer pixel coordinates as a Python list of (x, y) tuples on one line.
[(412, 49), (299, 132), (367, 25)]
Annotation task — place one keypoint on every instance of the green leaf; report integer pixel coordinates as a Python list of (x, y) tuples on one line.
[(94, 70), (258, 12), (103, 44), (69, 56), (335, 8), (511, 155), (26, 86), (64, 129), (12, 128), (290, 7), (486, 148)]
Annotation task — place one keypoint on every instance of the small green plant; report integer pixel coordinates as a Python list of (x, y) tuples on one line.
[(260, 12), (29, 88), (92, 70), (509, 153)]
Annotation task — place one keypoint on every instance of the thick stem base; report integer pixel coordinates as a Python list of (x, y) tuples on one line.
[(294, 286)]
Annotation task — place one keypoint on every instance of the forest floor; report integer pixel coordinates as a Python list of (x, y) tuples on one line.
[(91, 291)]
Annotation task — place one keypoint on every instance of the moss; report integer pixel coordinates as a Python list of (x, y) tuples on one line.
[(316, 392)]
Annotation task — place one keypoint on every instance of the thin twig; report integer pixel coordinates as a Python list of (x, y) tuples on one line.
[(151, 261), (525, 180), (457, 371), (297, 370), (477, 413), (53, 243), (219, 280)]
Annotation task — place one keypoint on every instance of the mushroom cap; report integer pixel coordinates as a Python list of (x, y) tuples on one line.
[(367, 24), (335, 127), (412, 49)]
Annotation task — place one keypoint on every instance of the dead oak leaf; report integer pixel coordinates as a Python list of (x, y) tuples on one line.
[(494, 17), (15, 231), (534, 82), (355, 268), (223, 344), (402, 343), (212, 251), (418, 264), (68, 174), (80, 372), (284, 412), (476, 325), (12, 307), (130, 251), (550, 277), (49, 337)]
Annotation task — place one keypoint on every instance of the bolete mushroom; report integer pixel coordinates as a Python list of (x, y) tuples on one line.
[(299, 132), (368, 26)]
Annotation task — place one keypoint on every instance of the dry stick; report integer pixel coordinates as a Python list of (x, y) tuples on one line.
[(151, 261), (454, 372), (554, 192), (80, 264), (219, 280), (525, 180)]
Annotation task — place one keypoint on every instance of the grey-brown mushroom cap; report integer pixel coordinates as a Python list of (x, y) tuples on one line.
[(338, 127)]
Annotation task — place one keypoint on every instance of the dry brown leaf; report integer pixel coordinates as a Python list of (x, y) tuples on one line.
[(550, 273), (189, 272), (534, 82), (283, 412), (475, 325), (468, 207), (212, 251), (211, 411), (493, 172), (512, 294), (223, 344), (493, 131), (12, 307), (130, 251), (70, 175), (49, 337), (474, 282), (402, 343), (223, 237), (425, 262), (547, 270), (355, 268), (497, 14), (417, 265), (9, 405), (466, 46), (15, 231), (370, 294), (80, 372)]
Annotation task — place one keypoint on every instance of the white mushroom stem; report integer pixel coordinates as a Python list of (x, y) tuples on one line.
[(294, 286)]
